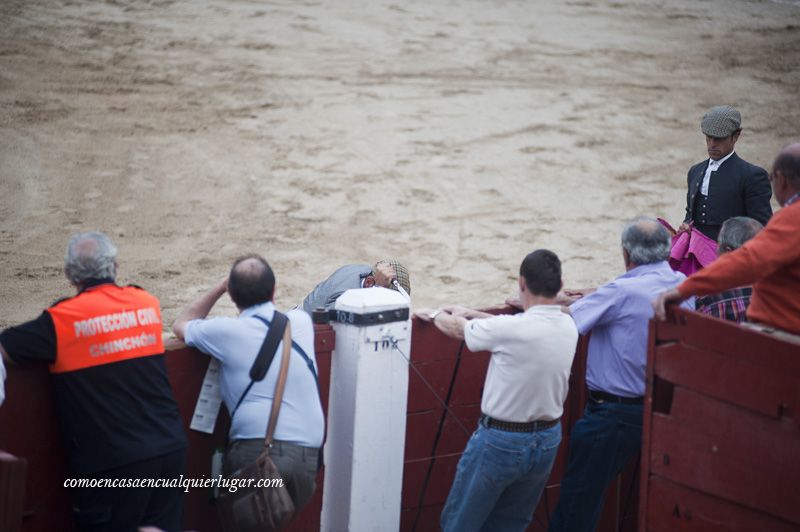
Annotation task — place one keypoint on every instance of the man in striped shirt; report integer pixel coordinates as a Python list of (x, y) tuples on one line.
[(731, 304)]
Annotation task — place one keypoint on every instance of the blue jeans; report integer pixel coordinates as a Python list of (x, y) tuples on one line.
[(499, 479), (603, 441)]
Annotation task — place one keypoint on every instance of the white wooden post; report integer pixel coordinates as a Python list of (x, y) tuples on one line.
[(367, 412)]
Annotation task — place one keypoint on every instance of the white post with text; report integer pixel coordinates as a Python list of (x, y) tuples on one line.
[(367, 404)]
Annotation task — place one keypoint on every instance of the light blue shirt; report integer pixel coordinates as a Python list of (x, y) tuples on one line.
[(2, 381), (617, 314), (235, 342)]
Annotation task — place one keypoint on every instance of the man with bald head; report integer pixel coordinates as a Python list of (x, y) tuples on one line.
[(236, 342), (609, 434), (770, 261)]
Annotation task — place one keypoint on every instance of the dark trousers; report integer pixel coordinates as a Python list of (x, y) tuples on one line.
[(126, 509), (602, 443), (296, 464)]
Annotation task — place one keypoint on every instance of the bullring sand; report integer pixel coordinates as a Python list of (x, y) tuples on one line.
[(454, 136)]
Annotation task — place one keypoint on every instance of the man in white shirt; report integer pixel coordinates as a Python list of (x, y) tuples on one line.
[(724, 185), (507, 461)]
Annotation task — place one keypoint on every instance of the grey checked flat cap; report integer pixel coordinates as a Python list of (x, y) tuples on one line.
[(403, 277), (721, 121)]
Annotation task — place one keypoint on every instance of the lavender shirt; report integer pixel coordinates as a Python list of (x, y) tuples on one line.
[(618, 314)]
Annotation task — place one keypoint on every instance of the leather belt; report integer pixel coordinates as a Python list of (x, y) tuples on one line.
[(511, 426), (596, 396)]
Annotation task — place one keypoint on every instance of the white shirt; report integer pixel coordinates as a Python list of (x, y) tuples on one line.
[(713, 166), (235, 342), (532, 352)]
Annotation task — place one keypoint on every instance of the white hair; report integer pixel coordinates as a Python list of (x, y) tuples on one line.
[(646, 241), (90, 255)]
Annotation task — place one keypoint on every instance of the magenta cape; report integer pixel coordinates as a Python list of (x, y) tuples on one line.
[(691, 251)]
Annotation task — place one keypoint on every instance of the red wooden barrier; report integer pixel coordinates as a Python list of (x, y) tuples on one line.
[(721, 429), (434, 441), (12, 492)]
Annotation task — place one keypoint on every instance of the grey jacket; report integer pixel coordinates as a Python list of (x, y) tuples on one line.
[(328, 291)]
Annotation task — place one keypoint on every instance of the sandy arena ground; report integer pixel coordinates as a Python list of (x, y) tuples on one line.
[(454, 136)]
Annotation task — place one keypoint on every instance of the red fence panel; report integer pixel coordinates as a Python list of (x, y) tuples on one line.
[(721, 431), (448, 372)]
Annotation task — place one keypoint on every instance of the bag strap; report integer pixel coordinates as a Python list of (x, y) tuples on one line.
[(310, 364), (266, 354), (301, 352), (277, 399)]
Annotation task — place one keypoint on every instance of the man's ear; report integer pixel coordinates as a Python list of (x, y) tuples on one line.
[(522, 286), (626, 257), (736, 135)]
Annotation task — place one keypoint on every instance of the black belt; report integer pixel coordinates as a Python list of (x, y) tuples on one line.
[(598, 397), (511, 426)]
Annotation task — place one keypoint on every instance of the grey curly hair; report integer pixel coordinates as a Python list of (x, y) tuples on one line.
[(90, 255)]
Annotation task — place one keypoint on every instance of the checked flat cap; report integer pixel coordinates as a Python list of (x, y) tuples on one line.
[(721, 121), (403, 277)]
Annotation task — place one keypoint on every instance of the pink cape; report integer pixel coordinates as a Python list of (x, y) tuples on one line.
[(691, 250)]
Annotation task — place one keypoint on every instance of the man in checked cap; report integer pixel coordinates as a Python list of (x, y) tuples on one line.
[(384, 273), (724, 185)]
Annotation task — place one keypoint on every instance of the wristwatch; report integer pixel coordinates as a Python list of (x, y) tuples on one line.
[(435, 313)]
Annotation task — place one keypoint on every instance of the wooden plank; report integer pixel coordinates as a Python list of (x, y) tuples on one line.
[(713, 335), (435, 374), (728, 452), (644, 474), (12, 491), (746, 383), (428, 343), (454, 438), (421, 430), (468, 387), (676, 508), (324, 338), (31, 431)]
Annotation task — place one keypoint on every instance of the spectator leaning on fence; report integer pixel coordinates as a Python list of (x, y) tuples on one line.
[(609, 434), (118, 416), (235, 342), (325, 294), (507, 461)]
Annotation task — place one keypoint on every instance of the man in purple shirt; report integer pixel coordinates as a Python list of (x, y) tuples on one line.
[(609, 434)]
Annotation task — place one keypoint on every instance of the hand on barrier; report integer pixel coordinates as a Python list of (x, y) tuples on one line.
[(670, 297), (514, 302), (567, 297), (427, 314), (458, 310)]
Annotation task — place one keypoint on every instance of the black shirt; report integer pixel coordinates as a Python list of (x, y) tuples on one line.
[(111, 415)]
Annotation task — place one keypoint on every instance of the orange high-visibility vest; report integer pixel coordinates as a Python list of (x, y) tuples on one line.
[(104, 324)]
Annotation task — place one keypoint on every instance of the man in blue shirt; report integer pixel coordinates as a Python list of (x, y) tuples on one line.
[(609, 434), (235, 342)]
